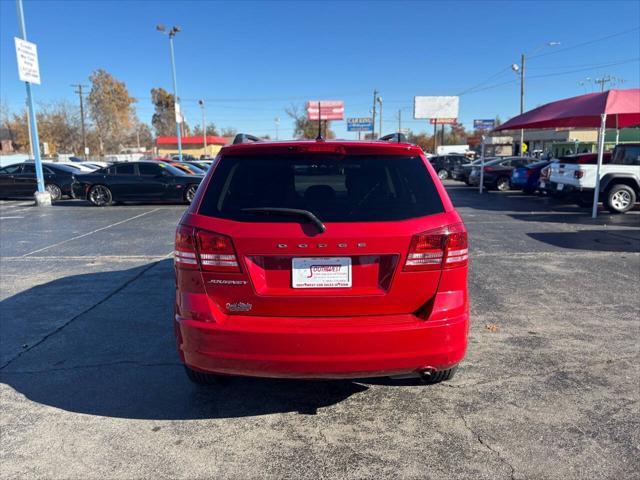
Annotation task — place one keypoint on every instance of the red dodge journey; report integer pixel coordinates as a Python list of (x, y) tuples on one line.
[(321, 259)]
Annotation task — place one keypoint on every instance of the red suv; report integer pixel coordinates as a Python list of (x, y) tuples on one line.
[(321, 259)]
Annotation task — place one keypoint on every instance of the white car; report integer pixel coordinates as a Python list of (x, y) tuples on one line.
[(619, 177)]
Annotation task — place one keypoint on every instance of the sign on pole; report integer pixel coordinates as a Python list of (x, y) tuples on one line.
[(484, 124), (328, 109), (443, 121), (435, 107), (362, 124), (27, 55)]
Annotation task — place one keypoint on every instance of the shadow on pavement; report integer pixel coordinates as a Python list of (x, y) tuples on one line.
[(595, 240), (117, 357)]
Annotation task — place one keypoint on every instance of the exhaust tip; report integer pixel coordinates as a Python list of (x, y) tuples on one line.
[(426, 374)]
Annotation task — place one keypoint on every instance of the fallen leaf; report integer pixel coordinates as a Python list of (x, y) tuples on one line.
[(492, 327)]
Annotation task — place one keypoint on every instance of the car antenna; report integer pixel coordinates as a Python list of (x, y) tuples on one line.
[(319, 137)]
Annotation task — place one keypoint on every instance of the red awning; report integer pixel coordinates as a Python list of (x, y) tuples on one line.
[(621, 106), (193, 140)]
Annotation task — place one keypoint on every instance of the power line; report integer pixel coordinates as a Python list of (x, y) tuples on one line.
[(589, 42)]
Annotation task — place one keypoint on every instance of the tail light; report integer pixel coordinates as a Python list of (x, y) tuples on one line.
[(216, 252), (528, 172), (185, 254), (205, 250), (443, 248), (544, 173), (578, 173), (489, 169)]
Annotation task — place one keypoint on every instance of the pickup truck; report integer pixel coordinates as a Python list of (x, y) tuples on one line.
[(619, 177)]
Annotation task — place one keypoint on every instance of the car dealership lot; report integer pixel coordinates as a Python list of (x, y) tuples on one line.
[(92, 386)]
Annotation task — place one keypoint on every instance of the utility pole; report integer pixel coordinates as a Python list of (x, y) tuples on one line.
[(375, 96), (380, 127), (172, 33), (606, 79), (277, 122), (84, 135), (42, 198), (399, 120), (521, 68)]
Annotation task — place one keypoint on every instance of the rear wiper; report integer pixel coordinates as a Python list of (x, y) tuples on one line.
[(289, 212)]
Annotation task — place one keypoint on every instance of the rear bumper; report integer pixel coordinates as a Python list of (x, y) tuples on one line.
[(342, 347)]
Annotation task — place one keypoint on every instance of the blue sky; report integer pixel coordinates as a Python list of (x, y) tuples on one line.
[(250, 60)]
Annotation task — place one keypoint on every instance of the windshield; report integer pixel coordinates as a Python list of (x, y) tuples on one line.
[(335, 189), (171, 169)]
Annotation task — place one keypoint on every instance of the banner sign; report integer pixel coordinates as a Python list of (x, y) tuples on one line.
[(484, 124), (328, 109), (27, 55), (363, 124), (443, 121)]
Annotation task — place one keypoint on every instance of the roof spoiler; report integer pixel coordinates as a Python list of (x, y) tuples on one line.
[(394, 137), (244, 138)]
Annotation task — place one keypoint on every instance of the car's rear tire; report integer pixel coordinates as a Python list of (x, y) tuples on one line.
[(440, 376), (189, 193), (620, 198), (54, 191), (202, 378), (502, 184), (100, 195), (443, 174), (585, 201)]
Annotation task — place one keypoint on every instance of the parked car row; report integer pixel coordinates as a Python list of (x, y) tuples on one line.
[(151, 180), (571, 177)]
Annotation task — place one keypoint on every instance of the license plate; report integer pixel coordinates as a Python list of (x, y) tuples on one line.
[(560, 186), (542, 184), (321, 272)]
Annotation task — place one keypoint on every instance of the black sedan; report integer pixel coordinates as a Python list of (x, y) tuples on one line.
[(19, 180), (462, 172), (136, 182), (445, 164)]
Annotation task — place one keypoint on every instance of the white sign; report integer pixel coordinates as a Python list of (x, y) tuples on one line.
[(27, 55), (179, 117), (321, 272), (435, 107)]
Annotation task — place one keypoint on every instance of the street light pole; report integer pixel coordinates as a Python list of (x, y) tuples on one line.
[(172, 33), (35, 142), (522, 67), (277, 122), (204, 126)]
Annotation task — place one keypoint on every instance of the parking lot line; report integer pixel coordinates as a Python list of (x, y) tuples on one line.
[(90, 233)]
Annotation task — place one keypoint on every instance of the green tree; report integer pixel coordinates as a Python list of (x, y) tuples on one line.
[(110, 107), (228, 132), (305, 128), (211, 130), (164, 117)]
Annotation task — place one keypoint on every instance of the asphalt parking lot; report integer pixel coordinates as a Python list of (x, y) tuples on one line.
[(91, 386)]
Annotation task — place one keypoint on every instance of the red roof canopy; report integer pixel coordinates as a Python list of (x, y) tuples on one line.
[(193, 140), (621, 106)]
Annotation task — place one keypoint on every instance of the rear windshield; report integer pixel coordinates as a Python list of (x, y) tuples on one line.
[(338, 189)]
